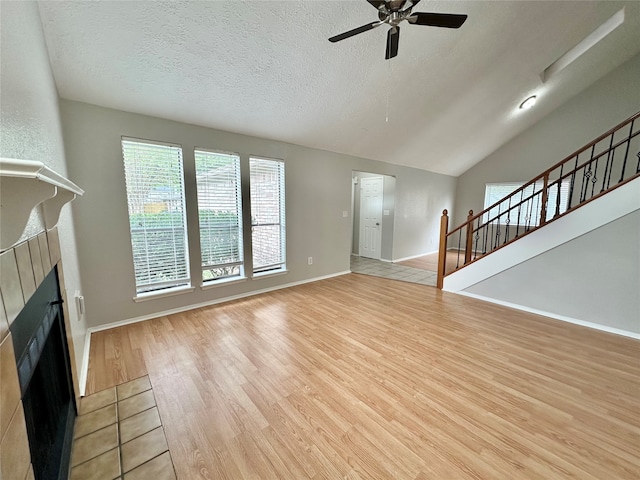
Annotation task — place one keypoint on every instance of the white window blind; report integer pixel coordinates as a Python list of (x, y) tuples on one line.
[(267, 214), (220, 214), (531, 196), (155, 196)]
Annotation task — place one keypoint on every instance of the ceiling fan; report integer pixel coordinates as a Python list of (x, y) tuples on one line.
[(392, 12)]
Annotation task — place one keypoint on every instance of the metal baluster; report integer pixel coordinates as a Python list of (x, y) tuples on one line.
[(519, 210), (491, 236), (477, 237), (585, 178), (607, 173), (626, 153), (496, 239), (529, 217), (486, 237), (545, 200), (508, 221), (558, 194), (594, 178), (537, 207), (573, 181)]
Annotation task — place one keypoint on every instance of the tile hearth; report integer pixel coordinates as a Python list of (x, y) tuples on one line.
[(119, 436)]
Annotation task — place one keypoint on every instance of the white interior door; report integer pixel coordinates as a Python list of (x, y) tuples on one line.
[(371, 217)]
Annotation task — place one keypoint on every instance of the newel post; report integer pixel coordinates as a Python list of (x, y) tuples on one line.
[(469, 244), (545, 199), (442, 249)]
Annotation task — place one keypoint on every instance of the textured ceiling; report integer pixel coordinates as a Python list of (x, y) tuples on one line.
[(265, 68)]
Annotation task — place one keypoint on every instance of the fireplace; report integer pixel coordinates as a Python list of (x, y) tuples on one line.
[(44, 375)]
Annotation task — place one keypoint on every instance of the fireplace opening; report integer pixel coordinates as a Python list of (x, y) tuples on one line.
[(44, 374)]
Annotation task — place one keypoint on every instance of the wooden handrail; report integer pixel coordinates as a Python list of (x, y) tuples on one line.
[(565, 160), (580, 178)]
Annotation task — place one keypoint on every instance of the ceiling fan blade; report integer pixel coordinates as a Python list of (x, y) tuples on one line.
[(447, 20), (376, 3), (409, 4), (355, 31), (393, 38)]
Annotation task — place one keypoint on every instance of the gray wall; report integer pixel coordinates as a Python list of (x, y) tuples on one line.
[(31, 127), (593, 278), (318, 190), (388, 221), (592, 112)]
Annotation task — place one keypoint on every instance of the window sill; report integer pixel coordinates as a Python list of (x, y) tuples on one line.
[(169, 292), (223, 283), (275, 273)]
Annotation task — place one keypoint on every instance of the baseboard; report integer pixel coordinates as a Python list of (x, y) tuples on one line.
[(85, 357), (563, 318), (413, 256), (379, 259)]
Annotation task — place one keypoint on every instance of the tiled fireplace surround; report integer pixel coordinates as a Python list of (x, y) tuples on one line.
[(139, 451), (22, 268)]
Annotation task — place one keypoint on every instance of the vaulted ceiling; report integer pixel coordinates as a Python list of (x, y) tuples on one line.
[(265, 68)]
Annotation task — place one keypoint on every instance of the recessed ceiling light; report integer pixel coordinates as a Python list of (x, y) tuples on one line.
[(528, 103)]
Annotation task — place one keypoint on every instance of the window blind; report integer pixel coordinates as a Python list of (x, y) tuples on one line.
[(267, 214), (155, 197), (220, 214), (531, 206)]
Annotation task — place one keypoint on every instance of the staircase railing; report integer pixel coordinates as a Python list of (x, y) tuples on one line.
[(595, 169)]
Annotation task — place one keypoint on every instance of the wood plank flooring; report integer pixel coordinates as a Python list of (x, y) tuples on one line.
[(429, 262), (362, 377), (425, 262)]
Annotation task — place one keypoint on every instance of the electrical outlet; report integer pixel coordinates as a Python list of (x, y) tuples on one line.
[(310, 260)]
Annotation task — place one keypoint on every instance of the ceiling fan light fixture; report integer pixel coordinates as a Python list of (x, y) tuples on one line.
[(528, 102)]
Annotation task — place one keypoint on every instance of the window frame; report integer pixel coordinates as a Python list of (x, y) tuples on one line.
[(240, 222), (183, 282), (490, 216), (277, 267)]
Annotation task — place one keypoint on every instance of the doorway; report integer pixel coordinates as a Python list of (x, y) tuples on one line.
[(373, 206), (371, 217)]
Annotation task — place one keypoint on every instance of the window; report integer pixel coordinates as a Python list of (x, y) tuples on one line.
[(155, 196), (267, 214), (220, 214), (529, 212)]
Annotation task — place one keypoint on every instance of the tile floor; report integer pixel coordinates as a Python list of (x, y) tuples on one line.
[(392, 271), (119, 436)]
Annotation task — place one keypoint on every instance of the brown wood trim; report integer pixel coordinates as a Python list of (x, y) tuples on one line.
[(442, 249)]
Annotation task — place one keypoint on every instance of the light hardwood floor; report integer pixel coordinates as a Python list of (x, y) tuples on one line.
[(429, 262), (364, 377)]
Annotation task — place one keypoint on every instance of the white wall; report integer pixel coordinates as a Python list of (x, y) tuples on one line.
[(318, 190), (592, 112), (31, 127), (594, 278)]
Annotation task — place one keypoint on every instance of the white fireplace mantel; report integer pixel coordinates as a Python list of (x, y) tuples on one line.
[(25, 184)]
